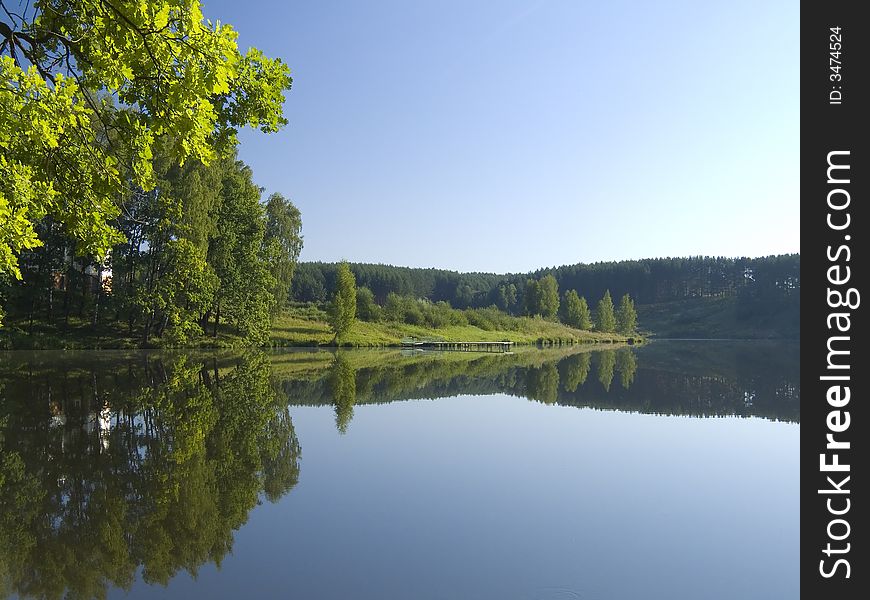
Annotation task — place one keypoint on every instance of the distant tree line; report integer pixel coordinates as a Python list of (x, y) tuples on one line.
[(316, 282), (769, 280), (761, 286)]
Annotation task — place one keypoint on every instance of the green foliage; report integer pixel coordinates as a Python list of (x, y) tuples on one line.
[(52, 163), (168, 284), (542, 297), (366, 307), (184, 296), (530, 297), (506, 297), (307, 326), (626, 316), (394, 308), (576, 370), (21, 203), (626, 366), (723, 317), (604, 317), (401, 309), (542, 384), (766, 289), (671, 384), (91, 90), (491, 319), (315, 282), (577, 311), (155, 499), (245, 295), (342, 384), (439, 315), (548, 297), (282, 245), (342, 309), (197, 251), (606, 366)]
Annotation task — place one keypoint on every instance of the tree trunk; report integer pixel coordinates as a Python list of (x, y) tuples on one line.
[(146, 329), (84, 289), (98, 295), (66, 303), (34, 300)]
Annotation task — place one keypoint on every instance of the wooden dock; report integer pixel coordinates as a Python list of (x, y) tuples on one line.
[(458, 346)]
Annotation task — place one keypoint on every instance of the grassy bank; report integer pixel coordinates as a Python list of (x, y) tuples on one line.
[(298, 327), (305, 330)]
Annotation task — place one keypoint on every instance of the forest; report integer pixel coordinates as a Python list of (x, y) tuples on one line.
[(199, 251), (648, 281), (122, 202), (749, 290)]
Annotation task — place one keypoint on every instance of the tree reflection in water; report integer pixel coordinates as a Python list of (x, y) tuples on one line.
[(342, 385), (626, 365), (147, 463), (764, 383), (606, 364), (575, 370), (153, 465)]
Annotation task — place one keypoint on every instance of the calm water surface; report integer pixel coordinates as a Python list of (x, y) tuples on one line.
[(668, 471)]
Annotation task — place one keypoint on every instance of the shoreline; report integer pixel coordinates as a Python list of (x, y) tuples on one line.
[(72, 344), (291, 331)]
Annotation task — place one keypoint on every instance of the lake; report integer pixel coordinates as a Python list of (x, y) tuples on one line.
[(664, 471)]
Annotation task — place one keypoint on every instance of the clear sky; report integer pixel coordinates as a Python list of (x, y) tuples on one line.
[(508, 135)]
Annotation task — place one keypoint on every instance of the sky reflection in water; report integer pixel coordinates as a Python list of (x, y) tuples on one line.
[(154, 466)]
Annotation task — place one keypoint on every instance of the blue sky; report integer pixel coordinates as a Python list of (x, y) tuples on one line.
[(508, 135)]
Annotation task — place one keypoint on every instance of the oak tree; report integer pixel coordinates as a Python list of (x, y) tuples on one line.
[(91, 90)]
